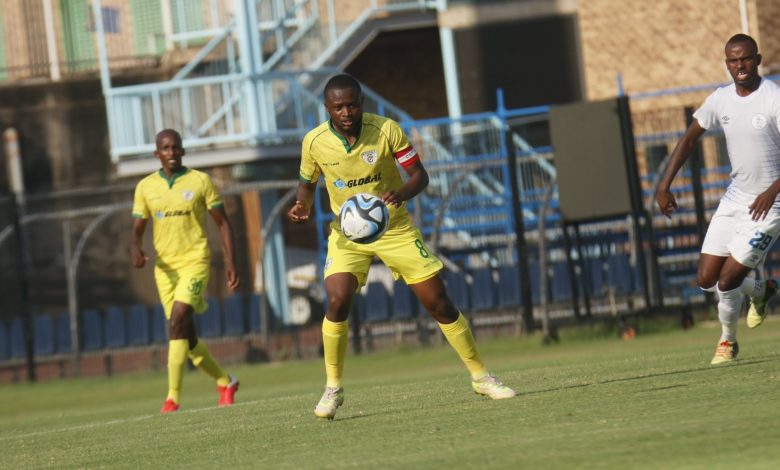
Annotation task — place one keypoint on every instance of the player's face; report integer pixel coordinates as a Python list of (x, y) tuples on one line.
[(345, 107), (169, 151), (743, 60)]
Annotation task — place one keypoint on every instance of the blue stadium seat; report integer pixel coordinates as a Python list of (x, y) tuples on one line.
[(44, 335), (235, 318), (594, 270), (139, 329), (404, 301), (159, 324), (457, 289), (16, 334), (377, 304), (91, 330), (508, 287), (254, 313), (210, 322), (4, 341), (483, 290), (115, 328), (534, 274), (560, 284), (619, 273), (64, 340)]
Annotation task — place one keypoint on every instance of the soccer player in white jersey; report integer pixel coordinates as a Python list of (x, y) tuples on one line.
[(747, 221)]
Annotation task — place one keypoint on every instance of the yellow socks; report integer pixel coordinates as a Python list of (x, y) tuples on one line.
[(335, 337), (459, 336), (177, 354), (200, 357)]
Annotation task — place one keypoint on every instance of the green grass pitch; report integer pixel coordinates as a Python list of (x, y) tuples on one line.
[(653, 402)]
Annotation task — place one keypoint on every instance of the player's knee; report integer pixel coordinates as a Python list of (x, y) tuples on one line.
[(339, 303), (441, 308), (706, 282)]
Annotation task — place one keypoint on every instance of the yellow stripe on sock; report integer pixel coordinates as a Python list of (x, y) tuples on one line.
[(335, 337), (459, 336)]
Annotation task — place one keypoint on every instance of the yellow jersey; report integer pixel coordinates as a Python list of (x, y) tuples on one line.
[(367, 166), (177, 206)]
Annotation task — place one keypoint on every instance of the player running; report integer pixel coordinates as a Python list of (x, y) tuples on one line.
[(352, 148), (747, 221), (177, 198)]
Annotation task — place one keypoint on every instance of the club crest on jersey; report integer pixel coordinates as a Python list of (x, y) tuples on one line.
[(187, 195), (758, 121), (159, 214), (369, 156)]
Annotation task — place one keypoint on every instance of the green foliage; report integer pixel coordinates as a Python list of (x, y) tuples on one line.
[(651, 402)]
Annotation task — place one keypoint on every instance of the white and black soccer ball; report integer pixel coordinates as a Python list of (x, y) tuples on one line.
[(364, 218)]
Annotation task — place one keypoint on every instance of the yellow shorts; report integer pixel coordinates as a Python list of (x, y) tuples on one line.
[(402, 249), (186, 285)]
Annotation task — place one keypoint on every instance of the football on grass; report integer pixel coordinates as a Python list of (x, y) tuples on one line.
[(364, 218)]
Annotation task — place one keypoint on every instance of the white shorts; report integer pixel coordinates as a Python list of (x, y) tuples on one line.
[(733, 233)]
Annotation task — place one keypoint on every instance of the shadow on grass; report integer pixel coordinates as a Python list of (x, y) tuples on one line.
[(707, 368)]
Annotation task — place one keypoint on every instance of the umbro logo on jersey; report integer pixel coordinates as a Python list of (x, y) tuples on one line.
[(758, 120), (724, 119), (341, 184), (187, 195)]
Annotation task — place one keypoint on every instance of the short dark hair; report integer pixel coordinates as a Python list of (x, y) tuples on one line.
[(171, 132), (341, 82), (742, 38)]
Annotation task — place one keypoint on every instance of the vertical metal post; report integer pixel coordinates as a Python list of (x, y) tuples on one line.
[(450, 63), (638, 209), (51, 41), (73, 306), (522, 247), (696, 168), (18, 206)]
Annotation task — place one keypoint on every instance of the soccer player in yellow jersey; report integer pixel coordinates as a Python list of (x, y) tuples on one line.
[(177, 198), (357, 153)]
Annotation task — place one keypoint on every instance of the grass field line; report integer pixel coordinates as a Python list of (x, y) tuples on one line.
[(112, 422)]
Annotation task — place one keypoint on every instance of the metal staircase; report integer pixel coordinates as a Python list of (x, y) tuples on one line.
[(252, 88)]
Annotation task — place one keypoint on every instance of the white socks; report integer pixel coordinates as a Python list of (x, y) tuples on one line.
[(729, 306)]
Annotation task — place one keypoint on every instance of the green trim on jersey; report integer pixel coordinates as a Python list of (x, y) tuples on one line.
[(174, 176), (343, 139)]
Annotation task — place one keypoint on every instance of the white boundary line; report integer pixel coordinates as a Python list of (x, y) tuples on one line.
[(112, 422)]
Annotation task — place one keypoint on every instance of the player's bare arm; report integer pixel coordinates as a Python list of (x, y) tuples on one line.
[(415, 184), (304, 198), (684, 148), (764, 202), (226, 234), (137, 254)]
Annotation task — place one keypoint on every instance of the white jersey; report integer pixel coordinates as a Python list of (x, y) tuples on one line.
[(750, 124)]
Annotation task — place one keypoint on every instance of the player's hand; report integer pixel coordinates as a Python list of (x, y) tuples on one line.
[(299, 212), (393, 198), (762, 205), (233, 280), (139, 257), (666, 202)]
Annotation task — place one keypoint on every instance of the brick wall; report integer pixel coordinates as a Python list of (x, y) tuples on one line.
[(660, 44)]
